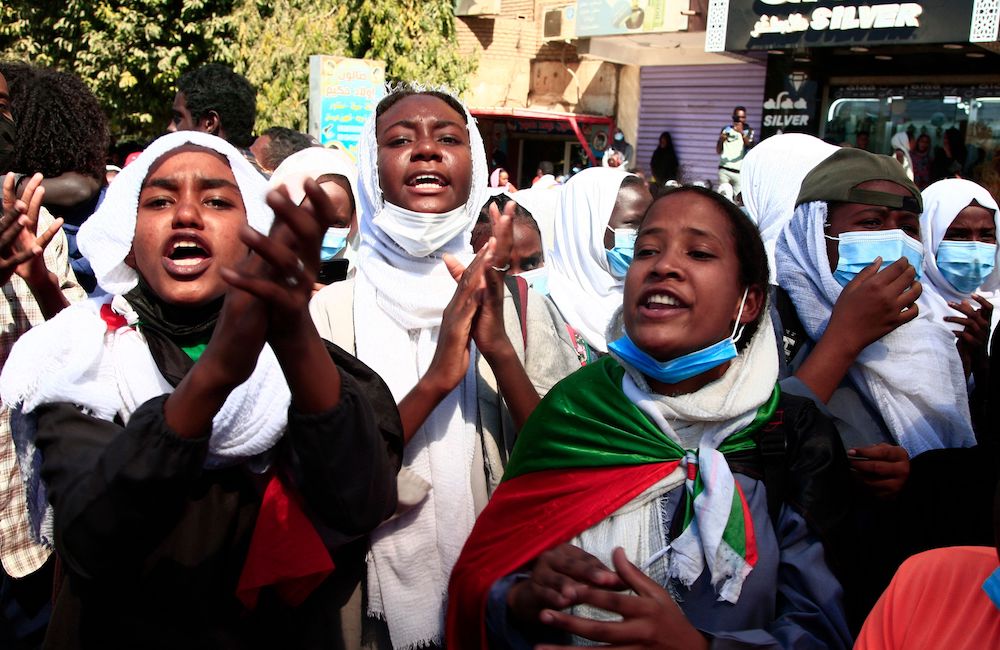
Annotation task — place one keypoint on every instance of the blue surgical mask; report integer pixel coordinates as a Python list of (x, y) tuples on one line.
[(858, 249), (620, 257), (334, 241), (965, 264), (619, 137), (537, 279), (685, 367)]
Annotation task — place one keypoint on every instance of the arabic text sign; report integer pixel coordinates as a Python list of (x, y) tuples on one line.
[(342, 94)]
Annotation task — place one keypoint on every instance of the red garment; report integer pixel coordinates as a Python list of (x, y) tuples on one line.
[(528, 515), (936, 600), (285, 552)]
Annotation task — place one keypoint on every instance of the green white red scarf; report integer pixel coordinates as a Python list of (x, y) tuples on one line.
[(585, 436)]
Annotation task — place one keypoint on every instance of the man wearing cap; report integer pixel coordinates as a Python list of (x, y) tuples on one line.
[(857, 343)]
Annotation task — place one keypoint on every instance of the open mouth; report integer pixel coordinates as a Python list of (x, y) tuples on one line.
[(661, 302), (427, 180), (186, 254)]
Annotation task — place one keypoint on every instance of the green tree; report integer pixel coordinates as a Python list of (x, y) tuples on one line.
[(130, 52)]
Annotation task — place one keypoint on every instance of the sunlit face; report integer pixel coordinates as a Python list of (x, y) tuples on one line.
[(683, 290), (973, 223), (424, 155), (180, 119), (855, 217), (631, 205), (187, 227)]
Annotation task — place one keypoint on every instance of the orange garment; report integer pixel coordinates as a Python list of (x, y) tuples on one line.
[(936, 600)]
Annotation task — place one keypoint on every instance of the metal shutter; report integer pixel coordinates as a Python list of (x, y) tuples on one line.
[(693, 103)]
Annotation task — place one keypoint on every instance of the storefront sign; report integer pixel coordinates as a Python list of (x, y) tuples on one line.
[(611, 17), (790, 99), (342, 94), (738, 25)]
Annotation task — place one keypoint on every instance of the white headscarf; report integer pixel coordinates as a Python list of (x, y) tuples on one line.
[(75, 358), (580, 280), (543, 204), (105, 239), (399, 300), (314, 162), (943, 201), (770, 178), (901, 142), (912, 376)]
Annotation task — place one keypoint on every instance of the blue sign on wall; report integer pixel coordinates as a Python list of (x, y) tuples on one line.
[(342, 94)]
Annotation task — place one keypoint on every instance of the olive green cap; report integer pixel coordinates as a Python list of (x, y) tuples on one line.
[(837, 178)]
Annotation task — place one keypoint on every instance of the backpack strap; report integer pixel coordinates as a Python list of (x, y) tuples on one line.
[(518, 288)]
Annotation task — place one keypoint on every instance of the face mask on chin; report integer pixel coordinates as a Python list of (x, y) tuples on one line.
[(621, 254), (421, 233)]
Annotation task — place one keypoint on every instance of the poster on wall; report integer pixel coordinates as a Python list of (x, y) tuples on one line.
[(612, 17), (342, 94), (788, 24)]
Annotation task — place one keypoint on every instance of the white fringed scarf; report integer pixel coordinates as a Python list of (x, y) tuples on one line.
[(399, 300)]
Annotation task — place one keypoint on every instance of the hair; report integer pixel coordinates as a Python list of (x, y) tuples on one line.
[(666, 134), (484, 228), (284, 142), (60, 124), (753, 269), (215, 87), (546, 167), (406, 89), (739, 108)]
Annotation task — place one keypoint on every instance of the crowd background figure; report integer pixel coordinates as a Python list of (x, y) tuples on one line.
[(393, 401)]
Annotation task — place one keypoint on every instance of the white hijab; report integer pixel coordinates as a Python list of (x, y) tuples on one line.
[(580, 280), (943, 201), (75, 358), (901, 142), (399, 300), (314, 162), (770, 177), (912, 376)]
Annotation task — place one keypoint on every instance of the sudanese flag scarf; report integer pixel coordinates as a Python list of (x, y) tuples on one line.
[(585, 436)]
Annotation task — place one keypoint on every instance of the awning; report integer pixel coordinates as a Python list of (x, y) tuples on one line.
[(573, 119)]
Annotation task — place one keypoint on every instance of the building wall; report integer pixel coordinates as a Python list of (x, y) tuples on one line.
[(627, 113), (694, 103)]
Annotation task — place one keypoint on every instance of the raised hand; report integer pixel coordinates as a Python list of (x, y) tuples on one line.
[(974, 336), (883, 467), (650, 617), (559, 579), (21, 248), (875, 303)]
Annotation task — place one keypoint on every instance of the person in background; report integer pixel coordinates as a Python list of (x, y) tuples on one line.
[(61, 133), (734, 141), (214, 99), (337, 176), (592, 247), (862, 140), (664, 164), (544, 177), (500, 179), (949, 158), (921, 159), (277, 143), (526, 257), (901, 152), (619, 152)]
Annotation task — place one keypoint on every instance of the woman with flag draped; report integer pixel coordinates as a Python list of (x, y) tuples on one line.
[(677, 453)]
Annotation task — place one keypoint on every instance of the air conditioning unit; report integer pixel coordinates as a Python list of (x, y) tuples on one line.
[(559, 23)]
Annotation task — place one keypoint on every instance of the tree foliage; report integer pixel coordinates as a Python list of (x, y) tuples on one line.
[(131, 52)]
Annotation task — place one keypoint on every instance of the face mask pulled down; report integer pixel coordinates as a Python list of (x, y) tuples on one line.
[(421, 233), (683, 367)]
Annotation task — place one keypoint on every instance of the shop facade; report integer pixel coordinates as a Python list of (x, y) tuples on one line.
[(858, 73)]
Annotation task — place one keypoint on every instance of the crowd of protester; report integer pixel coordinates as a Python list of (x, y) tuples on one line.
[(261, 393)]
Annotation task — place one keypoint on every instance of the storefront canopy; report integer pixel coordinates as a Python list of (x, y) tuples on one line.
[(741, 25), (574, 121)]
